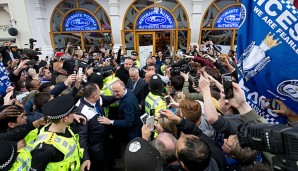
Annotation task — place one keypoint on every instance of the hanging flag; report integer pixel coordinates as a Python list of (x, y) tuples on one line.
[(4, 79), (267, 52)]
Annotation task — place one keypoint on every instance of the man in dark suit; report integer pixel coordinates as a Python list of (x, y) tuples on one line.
[(135, 83), (129, 113), (7, 53)]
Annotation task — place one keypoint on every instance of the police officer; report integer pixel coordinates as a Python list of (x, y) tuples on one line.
[(55, 146), (136, 62), (154, 100), (106, 90)]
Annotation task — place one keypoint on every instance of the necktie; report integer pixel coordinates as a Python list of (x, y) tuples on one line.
[(98, 111), (134, 85)]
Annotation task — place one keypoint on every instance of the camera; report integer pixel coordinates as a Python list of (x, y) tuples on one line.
[(181, 66), (280, 140), (13, 41), (31, 40)]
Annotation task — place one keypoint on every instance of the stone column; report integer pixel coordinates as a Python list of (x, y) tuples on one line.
[(196, 18), (116, 23), (18, 11), (42, 34)]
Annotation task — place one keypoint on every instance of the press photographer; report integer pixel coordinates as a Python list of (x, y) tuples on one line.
[(28, 58), (7, 53)]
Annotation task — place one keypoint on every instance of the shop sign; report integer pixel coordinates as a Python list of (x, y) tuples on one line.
[(229, 18), (80, 21), (155, 19), (4, 27)]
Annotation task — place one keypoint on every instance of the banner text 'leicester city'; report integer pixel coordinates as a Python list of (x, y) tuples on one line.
[(268, 54)]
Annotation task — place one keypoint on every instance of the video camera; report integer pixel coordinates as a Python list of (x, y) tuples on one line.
[(31, 41), (181, 66), (70, 65), (280, 140)]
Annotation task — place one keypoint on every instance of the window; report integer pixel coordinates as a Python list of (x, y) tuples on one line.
[(82, 23), (172, 9), (222, 30)]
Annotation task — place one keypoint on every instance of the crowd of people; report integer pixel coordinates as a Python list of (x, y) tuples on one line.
[(82, 110)]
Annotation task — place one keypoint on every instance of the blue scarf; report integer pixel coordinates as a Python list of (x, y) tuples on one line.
[(4, 79)]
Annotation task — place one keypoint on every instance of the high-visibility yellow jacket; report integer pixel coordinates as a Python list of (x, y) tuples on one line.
[(154, 102), (70, 147)]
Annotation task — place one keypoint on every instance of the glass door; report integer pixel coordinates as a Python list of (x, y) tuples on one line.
[(145, 45)]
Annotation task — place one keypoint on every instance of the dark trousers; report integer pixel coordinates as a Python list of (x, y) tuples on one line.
[(98, 162)]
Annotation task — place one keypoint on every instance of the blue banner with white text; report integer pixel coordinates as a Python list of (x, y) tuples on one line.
[(267, 51)]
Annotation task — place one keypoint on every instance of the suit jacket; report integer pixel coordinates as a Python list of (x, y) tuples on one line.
[(144, 93), (122, 74), (138, 88)]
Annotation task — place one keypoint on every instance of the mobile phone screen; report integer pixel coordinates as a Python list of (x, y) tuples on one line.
[(80, 72), (274, 105), (150, 122), (227, 84), (152, 112), (167, 100), (144, 118)]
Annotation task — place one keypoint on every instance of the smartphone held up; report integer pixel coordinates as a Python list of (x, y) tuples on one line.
[(227, 85)]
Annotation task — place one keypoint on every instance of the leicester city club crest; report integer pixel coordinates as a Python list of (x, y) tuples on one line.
[(289, 88), (254, 58)]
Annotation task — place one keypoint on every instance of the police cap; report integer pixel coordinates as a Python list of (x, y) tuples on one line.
[(59, 107), (134, 53), (156, 85)]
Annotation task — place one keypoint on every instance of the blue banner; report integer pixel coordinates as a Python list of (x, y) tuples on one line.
[(80, 21), (229, 18), (155, 19), (4, 79), (267, 53)]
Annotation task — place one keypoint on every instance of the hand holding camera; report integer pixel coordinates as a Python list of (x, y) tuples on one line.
[(70, 79), (227, 85), (32, 73), (170, 115), (8, 98), (23, 64), (239, 100), (146, 132)]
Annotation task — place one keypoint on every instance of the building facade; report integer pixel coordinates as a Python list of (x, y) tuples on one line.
[(141, 25)]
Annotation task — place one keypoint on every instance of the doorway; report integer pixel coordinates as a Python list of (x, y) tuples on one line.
[(155, 42)]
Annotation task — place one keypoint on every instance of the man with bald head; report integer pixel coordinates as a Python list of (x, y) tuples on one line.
[(129, 122), (165, 143)]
